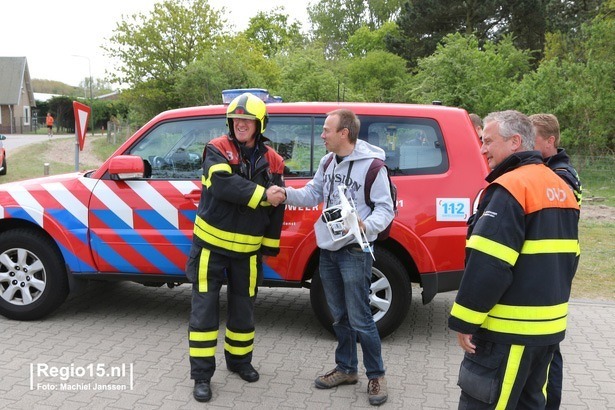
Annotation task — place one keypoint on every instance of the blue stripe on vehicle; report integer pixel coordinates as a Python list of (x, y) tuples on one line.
[(75, 264), (111, 220), (137, 242), (155, 220), (111, 256), (19, 213), (179, 240), (63, 218), (69, 223), (269, 273), (189, 214), (66, 219)]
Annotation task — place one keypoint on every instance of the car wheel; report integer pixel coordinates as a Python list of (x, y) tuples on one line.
[(3, 171), (33, 280), (390, 294)]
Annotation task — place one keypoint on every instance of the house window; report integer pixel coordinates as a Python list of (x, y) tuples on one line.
[(26, 115)]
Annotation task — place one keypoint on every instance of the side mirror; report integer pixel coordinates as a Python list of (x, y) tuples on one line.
[(126, 167)]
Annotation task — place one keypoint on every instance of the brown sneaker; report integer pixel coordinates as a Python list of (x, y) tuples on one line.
[(335, 378), (377, 391)]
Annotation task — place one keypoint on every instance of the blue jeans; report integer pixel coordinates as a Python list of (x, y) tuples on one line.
[(346, 279)]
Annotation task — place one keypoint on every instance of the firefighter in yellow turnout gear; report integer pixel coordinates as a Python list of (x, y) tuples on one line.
[(521, 255), (237, 222)]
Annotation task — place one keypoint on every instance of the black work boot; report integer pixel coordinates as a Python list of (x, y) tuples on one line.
[(202, 390), (246, 371)]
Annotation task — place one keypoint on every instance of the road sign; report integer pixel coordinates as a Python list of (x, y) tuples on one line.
[(82, 113)]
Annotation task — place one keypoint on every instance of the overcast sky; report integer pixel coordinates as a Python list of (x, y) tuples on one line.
[(51, 33)]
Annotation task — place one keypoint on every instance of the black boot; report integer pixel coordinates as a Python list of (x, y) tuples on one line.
[(202, 391), (246, 371)]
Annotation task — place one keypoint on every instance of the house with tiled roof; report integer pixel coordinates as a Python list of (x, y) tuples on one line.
[(16, 96)]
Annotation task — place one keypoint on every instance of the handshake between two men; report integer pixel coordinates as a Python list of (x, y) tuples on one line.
[(275, 195)]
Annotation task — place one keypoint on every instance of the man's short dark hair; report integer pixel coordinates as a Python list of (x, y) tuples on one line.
[(348, 120)]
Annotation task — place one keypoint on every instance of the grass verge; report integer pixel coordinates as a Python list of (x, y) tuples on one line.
[(28, 162), (595, 278)]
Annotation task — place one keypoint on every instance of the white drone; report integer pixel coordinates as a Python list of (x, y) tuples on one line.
[(343, 221)]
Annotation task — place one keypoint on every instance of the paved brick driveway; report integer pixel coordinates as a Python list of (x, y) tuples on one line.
[(113, 326)]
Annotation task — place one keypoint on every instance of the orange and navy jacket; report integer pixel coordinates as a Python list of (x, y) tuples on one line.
[(233, 217), (522, 252)]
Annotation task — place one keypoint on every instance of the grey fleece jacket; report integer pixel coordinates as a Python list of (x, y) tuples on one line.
[(323, 189)]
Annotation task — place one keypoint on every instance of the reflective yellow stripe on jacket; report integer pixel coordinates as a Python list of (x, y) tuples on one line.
[(231, 241), (530, 247), (257, 196), (271, 243), (519, 320), (206, 181)]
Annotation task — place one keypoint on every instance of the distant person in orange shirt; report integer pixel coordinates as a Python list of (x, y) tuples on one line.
[(49, 122)]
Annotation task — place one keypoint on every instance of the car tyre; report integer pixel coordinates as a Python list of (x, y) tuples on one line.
[(390, 295), (33, 278)]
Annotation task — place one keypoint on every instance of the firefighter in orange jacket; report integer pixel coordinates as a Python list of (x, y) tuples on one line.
[(521, 255), (237, 222)]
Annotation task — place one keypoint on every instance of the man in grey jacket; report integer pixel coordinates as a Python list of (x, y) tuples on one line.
[(345, 268)]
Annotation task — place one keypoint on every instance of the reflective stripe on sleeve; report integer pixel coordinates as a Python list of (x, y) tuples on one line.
[(256, 196), (493, 248), (271, 243), (532, 247), (468, 315), (215, 168)]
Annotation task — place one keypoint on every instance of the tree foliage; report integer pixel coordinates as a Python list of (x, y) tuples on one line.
[(307, 76), (152, 48), (482, 55), (173, 35), (237, 62), (334, 21), (424, 23), (274, 33), (566, 16), (578, 89), (365, 39), (379, 76), (460, 74)]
